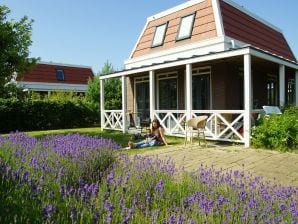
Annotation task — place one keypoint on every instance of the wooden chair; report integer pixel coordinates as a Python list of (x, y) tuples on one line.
[(196, 125)]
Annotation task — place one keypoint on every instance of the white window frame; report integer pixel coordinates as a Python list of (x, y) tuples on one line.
[(163, 76), (138, 79), (186, 26), (158, 29)]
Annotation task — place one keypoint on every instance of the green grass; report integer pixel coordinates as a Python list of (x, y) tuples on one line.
[(117, 136)]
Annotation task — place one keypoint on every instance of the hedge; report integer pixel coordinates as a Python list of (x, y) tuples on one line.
[(44, 114)]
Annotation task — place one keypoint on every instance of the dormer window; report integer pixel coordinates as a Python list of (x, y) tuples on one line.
[(60, 74), (159, 35), (185, 28)]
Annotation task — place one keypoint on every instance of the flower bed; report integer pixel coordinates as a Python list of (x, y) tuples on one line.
[(63, 179)]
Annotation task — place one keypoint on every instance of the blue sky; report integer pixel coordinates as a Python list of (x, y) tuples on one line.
[(90, 32)]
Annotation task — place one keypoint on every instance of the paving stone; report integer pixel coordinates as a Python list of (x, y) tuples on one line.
[(270, 164)]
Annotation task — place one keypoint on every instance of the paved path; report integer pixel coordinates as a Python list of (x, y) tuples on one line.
[(269, 164)]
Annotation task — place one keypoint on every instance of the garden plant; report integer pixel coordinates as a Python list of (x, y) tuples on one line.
[(79, 179)]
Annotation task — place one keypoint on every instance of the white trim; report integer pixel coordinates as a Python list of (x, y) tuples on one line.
[(102, 103), (124, 101), (200, 47), (244, 10), (296, 87), (270, 57), (219, 55), (152, 93), (136, 44), (174, 9), (208, 57), (282, 85), (188, 90), (218, 18), (47, 86), (63, 64), (247, 100)]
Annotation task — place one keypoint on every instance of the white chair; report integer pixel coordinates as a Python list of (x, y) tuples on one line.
[(196, 125)]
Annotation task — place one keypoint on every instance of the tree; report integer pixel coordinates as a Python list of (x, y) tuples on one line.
[(112, 89), (93, 91), (15, 39)]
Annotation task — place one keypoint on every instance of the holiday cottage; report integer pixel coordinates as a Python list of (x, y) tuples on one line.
[(205, 57), (47, 77)]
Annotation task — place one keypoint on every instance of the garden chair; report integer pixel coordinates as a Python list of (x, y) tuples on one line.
[(193, 126)]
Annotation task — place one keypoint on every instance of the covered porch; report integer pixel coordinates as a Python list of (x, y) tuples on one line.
[(230, 87)]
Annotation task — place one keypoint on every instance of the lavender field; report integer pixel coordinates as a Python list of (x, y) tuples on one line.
[(79, 179)]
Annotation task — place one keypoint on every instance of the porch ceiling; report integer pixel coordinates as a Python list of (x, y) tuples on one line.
[(258, 56)]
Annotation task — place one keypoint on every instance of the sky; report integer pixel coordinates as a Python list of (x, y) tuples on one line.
[(92, 32)]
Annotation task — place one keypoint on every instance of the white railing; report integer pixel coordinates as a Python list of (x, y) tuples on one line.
[(113, 119), (173, 121), (222, 125)]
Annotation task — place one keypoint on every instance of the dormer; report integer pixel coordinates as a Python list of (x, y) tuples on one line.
[(199, 27)]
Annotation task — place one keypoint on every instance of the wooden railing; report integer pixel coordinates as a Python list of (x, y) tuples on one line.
[(222, 125), (113, 119)]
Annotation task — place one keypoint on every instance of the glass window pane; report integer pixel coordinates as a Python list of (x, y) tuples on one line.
[(159, 35), (201, 92), (186, 27), (60, 75), (168, 94)]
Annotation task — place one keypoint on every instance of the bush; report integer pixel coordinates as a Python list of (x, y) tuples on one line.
[(277, 131), (45, 114), (51, 177)]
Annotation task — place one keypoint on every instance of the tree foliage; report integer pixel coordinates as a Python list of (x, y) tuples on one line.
[(15, 39), (112, 89)]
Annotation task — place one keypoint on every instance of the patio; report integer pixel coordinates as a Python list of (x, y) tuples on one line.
[(271, 165)]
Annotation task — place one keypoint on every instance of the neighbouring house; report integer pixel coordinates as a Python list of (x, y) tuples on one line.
[(47, 77), (210, 57)]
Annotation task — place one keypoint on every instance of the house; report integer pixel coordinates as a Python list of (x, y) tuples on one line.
[(48, 76), (210, 57)]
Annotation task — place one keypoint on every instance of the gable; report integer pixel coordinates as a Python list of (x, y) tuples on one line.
[(204, 28), (245, 28)]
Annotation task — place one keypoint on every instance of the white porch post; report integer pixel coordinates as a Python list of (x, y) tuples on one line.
[(188, 91), (296, 87), (124, 100), (152, 93), (281, 85), (102, 104), (247, 100)]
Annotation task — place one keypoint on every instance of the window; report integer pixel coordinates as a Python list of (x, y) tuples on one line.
[(201, 89), (290, 91), (59, 74), (159, 35), (186, 26), (167, 94), (271, 90)]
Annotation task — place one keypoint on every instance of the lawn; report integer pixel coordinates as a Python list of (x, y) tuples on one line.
[(117, 136)]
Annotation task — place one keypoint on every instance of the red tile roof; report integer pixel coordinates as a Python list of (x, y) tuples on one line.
[(243, 27), (47, 73)]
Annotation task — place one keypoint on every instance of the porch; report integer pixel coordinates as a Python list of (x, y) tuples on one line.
[(230, 87)]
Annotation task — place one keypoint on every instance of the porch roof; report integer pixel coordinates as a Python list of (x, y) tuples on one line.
[(257, 52)]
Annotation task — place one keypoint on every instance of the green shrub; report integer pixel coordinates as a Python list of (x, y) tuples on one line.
[(277, 131), (45, 114)]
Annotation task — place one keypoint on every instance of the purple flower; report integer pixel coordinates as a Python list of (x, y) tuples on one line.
[(47, 211)]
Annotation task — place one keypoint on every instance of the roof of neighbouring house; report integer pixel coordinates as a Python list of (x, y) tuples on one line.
[(46, 72), (213, 18)]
